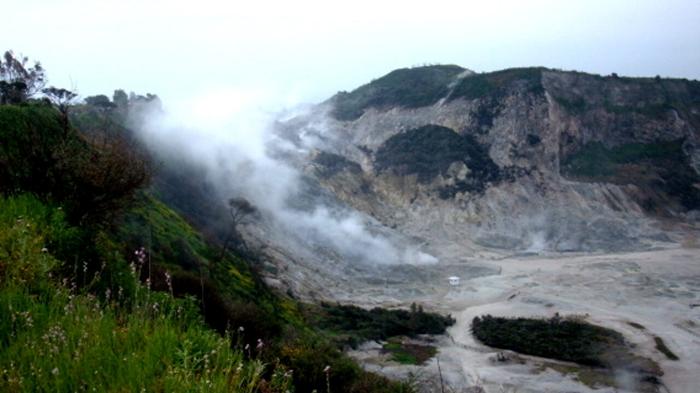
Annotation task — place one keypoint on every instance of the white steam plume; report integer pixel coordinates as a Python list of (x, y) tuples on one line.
[(228, 134)]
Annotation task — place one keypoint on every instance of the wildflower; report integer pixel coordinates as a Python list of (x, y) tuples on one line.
[(44, 249), (260, 344), (169, 281), (327, 369), (241, 329), (54, 371)]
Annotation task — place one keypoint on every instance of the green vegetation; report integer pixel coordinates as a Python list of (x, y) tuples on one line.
[(54, 337), (406, 87), (409, 353), (555, 338), (592, 377), (499, 83), (661, 347), (652, 166), (429, 151), (351, 325), (423, 86), (104, 287)]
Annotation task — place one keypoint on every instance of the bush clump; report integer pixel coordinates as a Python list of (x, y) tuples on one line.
[(405, 87), (357, 324), (657, 166), (429, 151), (499, 83), (555, 338)]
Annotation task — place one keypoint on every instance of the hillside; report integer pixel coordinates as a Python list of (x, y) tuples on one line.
[(106, 287), (535, 140), (544, 191)]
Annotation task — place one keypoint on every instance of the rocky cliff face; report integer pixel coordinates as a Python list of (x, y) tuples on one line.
[(521, 159)]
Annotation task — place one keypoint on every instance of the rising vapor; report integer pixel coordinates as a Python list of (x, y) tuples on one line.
[(228, 134)]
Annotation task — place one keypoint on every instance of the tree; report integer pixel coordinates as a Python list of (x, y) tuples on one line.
[(100, 101), (120, 99), (19, 81), (61, 99), (239, 210)]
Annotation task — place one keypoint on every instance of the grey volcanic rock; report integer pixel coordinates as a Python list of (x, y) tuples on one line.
[(530, 122)]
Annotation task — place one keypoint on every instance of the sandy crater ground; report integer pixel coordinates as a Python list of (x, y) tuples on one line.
[(659, 290)]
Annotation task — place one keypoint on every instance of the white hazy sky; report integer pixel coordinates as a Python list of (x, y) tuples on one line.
[(311, 49)]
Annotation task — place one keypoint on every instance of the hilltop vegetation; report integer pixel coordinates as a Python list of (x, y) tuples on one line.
[(405, 87), (424, 86)]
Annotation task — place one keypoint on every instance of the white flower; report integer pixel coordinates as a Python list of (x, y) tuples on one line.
[(327, 369), (54, 371)]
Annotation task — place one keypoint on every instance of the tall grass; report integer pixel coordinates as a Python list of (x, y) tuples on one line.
[(54, 337)]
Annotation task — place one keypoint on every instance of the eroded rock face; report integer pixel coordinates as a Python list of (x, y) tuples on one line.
[(571, 162)]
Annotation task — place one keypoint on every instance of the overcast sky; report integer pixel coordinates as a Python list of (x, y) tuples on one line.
[(309, 50)]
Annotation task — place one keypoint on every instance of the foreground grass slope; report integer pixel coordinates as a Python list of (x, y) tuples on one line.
[(54, 337)]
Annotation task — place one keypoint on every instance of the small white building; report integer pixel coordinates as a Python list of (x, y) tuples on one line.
[(454, 280)]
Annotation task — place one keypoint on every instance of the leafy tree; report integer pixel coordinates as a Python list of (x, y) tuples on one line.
[(240, 209), (19, 81), (120, 99), (99, 101), (61, 99)]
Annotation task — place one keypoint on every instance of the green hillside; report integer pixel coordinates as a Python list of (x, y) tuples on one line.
[(103, 286)]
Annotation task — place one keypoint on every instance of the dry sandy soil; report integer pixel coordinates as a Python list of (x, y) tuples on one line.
[(641, 295)]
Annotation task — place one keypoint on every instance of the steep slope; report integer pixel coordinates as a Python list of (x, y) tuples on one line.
[(520, 159)]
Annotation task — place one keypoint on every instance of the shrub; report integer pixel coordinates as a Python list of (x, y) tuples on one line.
[(377, 324), (556, 338), (406, 87), (429, 151), (499, 83), (92, 177)]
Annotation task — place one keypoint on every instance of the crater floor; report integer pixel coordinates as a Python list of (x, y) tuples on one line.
[(641, 294)]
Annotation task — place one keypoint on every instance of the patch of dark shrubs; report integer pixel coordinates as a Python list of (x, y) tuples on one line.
[(357, 324), (406, 87), (91, 176), (429, 151), (660, 166), (555, 338), (499, 83), (331, 164)]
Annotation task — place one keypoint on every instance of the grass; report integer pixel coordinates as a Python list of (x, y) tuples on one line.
[(55, 337), (661, 347), (594, 378), (408, 353)]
